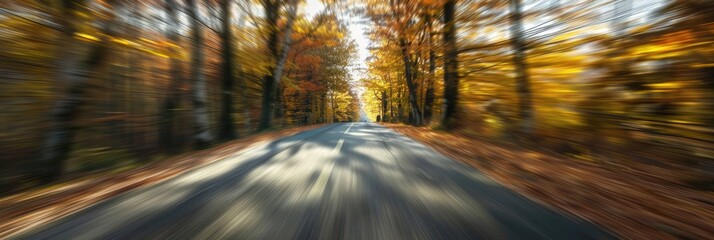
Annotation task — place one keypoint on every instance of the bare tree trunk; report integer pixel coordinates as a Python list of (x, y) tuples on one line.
[(519, 60), (429, 98), (708, 82), (58, 143), (384, 106), (308, 108), (202, 135), (226, 126), (279, 107), (400, 110), (409, 77), (246, 107), (391, 101), (270, 83), (451, 66), (287, 41), (173, 98), (243, 86), (323, 107), (272, 9), (334, 108)]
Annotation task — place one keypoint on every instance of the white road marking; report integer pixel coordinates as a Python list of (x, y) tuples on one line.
[(319, 187), (338, 146), (348, 129)]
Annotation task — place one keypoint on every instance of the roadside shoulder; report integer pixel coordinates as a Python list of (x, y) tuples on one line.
[(626, 203)]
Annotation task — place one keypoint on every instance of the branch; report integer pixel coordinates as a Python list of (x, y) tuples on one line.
[(252, 17), (481, 69), (201, 22)]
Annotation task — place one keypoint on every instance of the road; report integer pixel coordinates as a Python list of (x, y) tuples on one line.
[(342, 181)]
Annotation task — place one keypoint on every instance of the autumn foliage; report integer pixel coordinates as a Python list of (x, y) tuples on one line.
[(97, 85)]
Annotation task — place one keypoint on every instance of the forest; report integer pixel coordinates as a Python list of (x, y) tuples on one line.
[(601, 108), (96, 85), (604, 81)]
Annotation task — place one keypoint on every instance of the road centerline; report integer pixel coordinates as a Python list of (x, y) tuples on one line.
[(319, 187), (338, 146), (348, 128)]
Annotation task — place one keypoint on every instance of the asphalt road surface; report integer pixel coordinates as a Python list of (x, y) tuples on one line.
[(342, 181)]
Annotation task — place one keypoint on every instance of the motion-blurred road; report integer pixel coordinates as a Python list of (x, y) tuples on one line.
[(343, 181)]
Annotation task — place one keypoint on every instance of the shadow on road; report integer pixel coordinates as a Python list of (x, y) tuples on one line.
[(375, 184)]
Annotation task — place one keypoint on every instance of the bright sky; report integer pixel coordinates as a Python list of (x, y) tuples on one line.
[(357, 33)]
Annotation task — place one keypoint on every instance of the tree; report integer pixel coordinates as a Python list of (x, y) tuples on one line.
[(202, 135), (400, 30), (519, 59), (318, 66), (173, 96), (404, 28), (409, 74), (429, 95), (279, 54), (226, 126), (58, 142), (451, 66)]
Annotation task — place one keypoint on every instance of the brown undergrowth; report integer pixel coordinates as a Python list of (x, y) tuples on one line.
[(33, 208), (631, 201)]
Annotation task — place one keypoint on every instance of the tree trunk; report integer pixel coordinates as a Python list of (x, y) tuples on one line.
[(519, 60), (270, 82), (272, 8), (227, 126), (390, 100), (708, 82), (323, 107), (334, 108), (384, 106), (409, 77), (202, 135), (451, 66), (279, 107), (400, 110), (308, 108), (247, 127), (173, 97), (429, 98), (58, 142)]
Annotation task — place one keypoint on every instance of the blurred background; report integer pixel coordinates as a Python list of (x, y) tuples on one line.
[(610, 82), (96, 85), (104, 85)]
